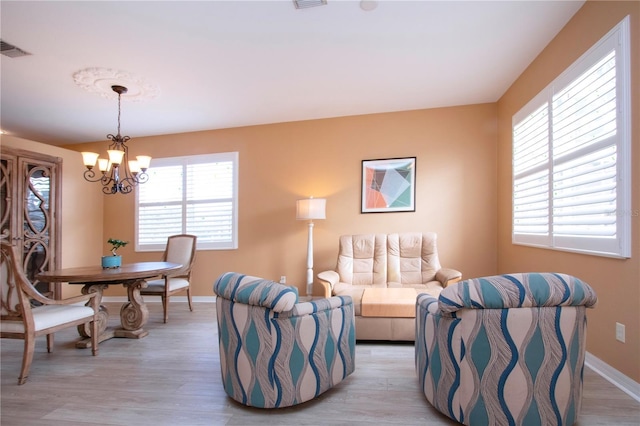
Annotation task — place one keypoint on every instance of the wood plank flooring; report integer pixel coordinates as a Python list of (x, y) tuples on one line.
[(172, 377)]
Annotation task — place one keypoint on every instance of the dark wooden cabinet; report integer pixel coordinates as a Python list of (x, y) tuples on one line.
[(29, 208)]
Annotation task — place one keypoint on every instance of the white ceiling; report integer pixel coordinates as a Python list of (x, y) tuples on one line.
[(220, 64)]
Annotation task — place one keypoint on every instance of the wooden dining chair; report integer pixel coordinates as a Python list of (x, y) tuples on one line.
[(21, 319), (180, 249)]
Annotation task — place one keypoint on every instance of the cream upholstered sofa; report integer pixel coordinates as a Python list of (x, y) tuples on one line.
[(401, 260)]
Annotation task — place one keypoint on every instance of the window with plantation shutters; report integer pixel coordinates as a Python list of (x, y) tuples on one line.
[(189, 195), (571, 156)]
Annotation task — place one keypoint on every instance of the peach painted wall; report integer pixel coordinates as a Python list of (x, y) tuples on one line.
[(81, 231), (616, 281), (280, 163)]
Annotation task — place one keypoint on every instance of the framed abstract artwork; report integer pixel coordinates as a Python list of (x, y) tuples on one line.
[(389, 185)]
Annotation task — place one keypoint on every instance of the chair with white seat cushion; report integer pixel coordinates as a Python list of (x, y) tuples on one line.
[(20, 320), (180, 249)]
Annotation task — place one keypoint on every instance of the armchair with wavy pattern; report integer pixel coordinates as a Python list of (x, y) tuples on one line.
[(276, 352), (505, 350)]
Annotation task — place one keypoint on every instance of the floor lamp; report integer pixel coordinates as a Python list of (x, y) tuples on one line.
[(310, 209)]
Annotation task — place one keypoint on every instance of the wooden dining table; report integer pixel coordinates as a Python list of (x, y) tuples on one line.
[(95, 279)]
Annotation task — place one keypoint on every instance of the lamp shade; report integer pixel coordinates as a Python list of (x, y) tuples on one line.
[(90, 158), (311, 208), (143, 161), (115, 156), (103, 164), (134, 167)]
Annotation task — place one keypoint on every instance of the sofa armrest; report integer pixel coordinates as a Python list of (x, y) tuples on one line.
[(328, 280), (448, 276)]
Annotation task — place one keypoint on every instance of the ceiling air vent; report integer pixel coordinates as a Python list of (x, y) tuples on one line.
[(305, 4), (11, 51)]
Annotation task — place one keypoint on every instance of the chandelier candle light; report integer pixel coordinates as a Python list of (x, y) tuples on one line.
[(310, 209), (119, 174)]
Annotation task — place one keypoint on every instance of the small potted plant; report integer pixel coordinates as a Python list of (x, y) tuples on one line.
[(113, 261)]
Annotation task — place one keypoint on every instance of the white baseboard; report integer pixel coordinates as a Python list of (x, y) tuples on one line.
[(154, 299), (625, 383)]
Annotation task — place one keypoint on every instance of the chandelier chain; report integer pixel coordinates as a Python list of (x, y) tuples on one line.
[(119, 96)]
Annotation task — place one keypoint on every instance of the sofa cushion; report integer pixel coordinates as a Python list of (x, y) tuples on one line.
[(363, 259), (412, 258), (432, 287)]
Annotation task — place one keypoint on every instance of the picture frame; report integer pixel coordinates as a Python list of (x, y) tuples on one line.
[(389, 185)]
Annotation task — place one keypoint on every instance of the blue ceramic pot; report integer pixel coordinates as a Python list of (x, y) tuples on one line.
[(111, 261)]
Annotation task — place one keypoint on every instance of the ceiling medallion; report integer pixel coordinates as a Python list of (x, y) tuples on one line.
[(100, 81)]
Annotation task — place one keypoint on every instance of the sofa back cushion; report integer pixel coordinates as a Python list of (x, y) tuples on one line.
[(412, 258), (362, 259)]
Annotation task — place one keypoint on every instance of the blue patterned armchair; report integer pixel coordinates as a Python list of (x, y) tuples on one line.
[(275, 352), (505, 350)]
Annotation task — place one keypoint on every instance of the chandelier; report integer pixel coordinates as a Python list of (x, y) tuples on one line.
[(118, 173)]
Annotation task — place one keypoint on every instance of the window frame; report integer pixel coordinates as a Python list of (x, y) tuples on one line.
[(617, 39), (185, 161)]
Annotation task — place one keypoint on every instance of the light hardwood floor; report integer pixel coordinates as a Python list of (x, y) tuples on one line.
[(172, 377)]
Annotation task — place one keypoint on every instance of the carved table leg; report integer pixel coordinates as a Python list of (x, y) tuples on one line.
[(134, 313), (103, 316)]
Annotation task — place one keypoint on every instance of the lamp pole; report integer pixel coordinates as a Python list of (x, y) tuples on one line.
[(310, 260), (309, 209)]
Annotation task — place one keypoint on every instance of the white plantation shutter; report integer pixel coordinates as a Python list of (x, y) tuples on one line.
[(531, 204), (193, 195), (584, 112), (571, 162), (585, 195), (531, 172)]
